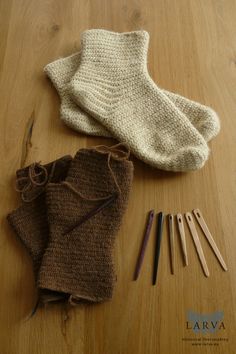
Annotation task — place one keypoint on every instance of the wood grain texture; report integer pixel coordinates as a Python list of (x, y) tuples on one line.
[(192, 52)]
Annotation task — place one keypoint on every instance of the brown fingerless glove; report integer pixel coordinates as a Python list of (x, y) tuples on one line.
[(84, 214)]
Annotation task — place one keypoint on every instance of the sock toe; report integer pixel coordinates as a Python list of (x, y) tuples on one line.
[(210, 127), (189, 159), (196, 157)]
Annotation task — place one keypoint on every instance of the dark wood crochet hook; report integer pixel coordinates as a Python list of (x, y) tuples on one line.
[(93, 212), (144, 244), (171, 242), (160, 219)]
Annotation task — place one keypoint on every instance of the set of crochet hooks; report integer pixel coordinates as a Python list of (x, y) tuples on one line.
[(171, 234)]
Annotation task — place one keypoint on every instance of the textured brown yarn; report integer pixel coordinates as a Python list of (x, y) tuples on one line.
[(29, 221), (79, 262)]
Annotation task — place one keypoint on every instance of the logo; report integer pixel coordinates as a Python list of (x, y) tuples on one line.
[(205, 323)]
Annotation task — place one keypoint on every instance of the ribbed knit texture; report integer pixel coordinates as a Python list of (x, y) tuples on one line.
[(29, 221), (113, 84), (78, 261), (61, 71)]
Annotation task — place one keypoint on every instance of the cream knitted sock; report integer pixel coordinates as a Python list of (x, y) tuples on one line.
[(113, 84), (61, 71)]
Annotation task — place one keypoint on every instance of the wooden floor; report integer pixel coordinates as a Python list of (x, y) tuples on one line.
[(192, 52)]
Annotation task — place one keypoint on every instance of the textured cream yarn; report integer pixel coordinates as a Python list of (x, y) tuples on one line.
[(61, 72), (113, 85)]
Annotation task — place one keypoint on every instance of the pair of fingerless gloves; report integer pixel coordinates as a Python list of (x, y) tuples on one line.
[(70, 214)]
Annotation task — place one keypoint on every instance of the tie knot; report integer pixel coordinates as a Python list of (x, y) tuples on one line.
[(118, 152), (33, 181)]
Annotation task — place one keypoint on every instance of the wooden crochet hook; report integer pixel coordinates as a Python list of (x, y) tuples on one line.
[(144, 244), (94, 211), (180, 224), (197, 243), (209, 237), (160, 219), (172, 242)]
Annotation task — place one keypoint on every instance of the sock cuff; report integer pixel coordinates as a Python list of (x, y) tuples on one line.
[(102, 45), (61, 70)]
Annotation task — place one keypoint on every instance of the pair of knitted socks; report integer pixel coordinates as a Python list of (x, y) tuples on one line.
[(70, 215), (106, 90)]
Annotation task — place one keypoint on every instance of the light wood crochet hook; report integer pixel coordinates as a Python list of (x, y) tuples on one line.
[(205, 230), (180, 224), (172, 242), (197, 243)]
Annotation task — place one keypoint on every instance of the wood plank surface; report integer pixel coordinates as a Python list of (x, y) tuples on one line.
[(192, 52)]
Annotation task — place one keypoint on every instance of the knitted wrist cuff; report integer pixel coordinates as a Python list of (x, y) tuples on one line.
[(90, 159)]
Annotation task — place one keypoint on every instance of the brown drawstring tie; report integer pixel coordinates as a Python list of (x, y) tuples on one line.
[(116, 153), (35, 182)]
